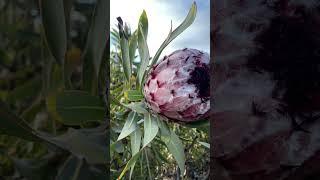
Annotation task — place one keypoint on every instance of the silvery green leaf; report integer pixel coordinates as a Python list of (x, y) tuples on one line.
[(129, 125), (150, 128)]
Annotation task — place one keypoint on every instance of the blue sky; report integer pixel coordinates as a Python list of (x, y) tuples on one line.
[(160, 13)]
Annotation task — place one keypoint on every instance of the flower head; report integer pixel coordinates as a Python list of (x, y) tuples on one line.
[(178, 87)]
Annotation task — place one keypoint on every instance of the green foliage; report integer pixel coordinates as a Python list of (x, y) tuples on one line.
[(129, 126), (142, 141), (79, 107), (150, 128), (134, 95), (143, 47), (14, 126), (54, 25), (95, 46), (175, 33), (53, 114)]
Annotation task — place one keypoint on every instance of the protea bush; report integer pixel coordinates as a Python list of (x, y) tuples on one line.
[(162, 98), (178, 86)]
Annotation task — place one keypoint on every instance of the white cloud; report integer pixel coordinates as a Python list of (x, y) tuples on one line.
[(160, 13)]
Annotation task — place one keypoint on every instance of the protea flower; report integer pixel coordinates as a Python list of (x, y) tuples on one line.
[(178, 86)]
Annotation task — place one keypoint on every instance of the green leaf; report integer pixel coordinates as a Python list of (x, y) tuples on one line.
[(77, 169), (124, 45), (173, 34), (143, 22), (129, 125), (67, 65), (207, 145), (133, 43), (129, 164), (69, 169), (142, 47), (98, 35), (150, 129), (90, 144), (164, 130), (135, 138), (137, 107), (104, 86), (144, 54), (54, 25), (67, 9), (131, 170), (12, 125), (78, 107), (176, 148), (36, 169), (134, 95), (87, 143)]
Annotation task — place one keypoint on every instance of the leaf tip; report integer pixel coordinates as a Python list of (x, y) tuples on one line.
[(144, 12)]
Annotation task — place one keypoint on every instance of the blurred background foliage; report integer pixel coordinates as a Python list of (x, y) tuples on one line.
[(53, 74)]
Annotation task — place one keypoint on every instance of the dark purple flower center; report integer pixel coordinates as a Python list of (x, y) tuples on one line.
[(201, 79)]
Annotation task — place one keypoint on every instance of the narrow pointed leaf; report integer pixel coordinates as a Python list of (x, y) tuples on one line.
[(144, 54), (124, 46), (89, 144), (67, 170), (67, 4), (143, 22), (129, 125), (135, 138), (98, 35), (137, 107), (150, 129), (95, 46), (54, 25), (176, 148), (207, 145), (172, 35), (142, 34), (78, 107), (77, 169), (133, 43), (164, 130), (129, 164), (131, 170)]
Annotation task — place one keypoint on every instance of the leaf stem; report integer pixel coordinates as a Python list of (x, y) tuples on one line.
[(150, 177)]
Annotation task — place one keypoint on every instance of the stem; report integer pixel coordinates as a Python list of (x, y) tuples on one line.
[(148, 164), (141, 165), (77, 170), (178, 173), (63, 75)]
